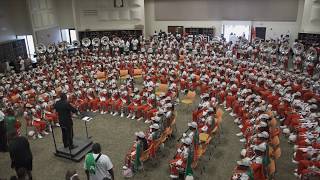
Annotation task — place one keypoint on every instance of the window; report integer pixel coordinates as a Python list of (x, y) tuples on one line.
[(73, 34), (65, 35), (28, 39), (68, 35)]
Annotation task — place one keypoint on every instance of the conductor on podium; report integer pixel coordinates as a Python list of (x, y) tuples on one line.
[(65, 110)]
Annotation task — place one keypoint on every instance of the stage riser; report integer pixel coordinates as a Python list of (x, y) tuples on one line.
[(78, 157), (84, 146)]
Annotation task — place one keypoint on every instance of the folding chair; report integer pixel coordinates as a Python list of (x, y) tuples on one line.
[(189, 98), (124, 74), (137, 73), (163, 88), (101, 76)]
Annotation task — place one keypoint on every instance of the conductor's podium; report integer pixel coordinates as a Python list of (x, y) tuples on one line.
[(84, 146), (76, 154)]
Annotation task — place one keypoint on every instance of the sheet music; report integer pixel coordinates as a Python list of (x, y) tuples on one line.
[(86, 118)]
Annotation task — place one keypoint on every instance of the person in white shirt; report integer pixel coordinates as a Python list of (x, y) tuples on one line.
[(21, 64), (103, 165)]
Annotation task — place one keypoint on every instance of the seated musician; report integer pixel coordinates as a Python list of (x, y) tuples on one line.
[(103, 96), (49, 115), (243, 170), (132, 108), (194, 135), (153, 110), (183, 159), (112, 102), (155, 132), (81, 101), (168, 114), (207, 121), (31, 117), (141, 146), (260, 161), (148, 105), (122, 103)]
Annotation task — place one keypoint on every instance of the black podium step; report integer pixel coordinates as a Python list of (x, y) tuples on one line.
[(84, 146)]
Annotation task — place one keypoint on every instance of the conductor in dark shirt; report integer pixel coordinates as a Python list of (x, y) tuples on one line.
[(20, 154), (65, 110)]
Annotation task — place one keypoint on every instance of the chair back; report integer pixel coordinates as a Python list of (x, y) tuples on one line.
[(163, 87), (146, 154), (101, 75), (275, 141), (219, 113), (124, 73), (137, 72), (277, 153), (272, 167)]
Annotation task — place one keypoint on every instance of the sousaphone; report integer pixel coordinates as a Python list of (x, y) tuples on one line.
[(298, 48), (86, 42), (76, 43), (229, 54), (95, 42), (41, 48), (61, 46), (256, 42), (199, 38), (284, 48), (105, 40), (215, 40), (273, 47), (51, 48), (264, 47), (312, 55)]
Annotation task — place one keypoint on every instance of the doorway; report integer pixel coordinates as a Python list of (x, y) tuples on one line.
[(175, 29), (232, 32), (261, 32)]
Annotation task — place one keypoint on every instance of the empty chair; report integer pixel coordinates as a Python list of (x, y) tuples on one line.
[(137, 73), (163, 88), (189, 98), (124, 74), (101, 76)]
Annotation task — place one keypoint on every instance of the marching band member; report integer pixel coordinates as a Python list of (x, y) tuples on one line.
[(132, 108), (141, 145), (183, 159)]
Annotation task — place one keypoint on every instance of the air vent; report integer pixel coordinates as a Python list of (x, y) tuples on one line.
[(90, 12)]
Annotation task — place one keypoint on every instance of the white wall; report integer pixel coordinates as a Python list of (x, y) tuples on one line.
[(65, 14), (47, 36), (274, 28), (311, 17), (42, 13), (101, 15), (6, 29), (14, 19), (153, 25), (44, 21), (19, 17), (241, 10)]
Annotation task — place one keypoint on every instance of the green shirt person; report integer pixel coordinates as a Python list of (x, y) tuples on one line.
[(141, 146)]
